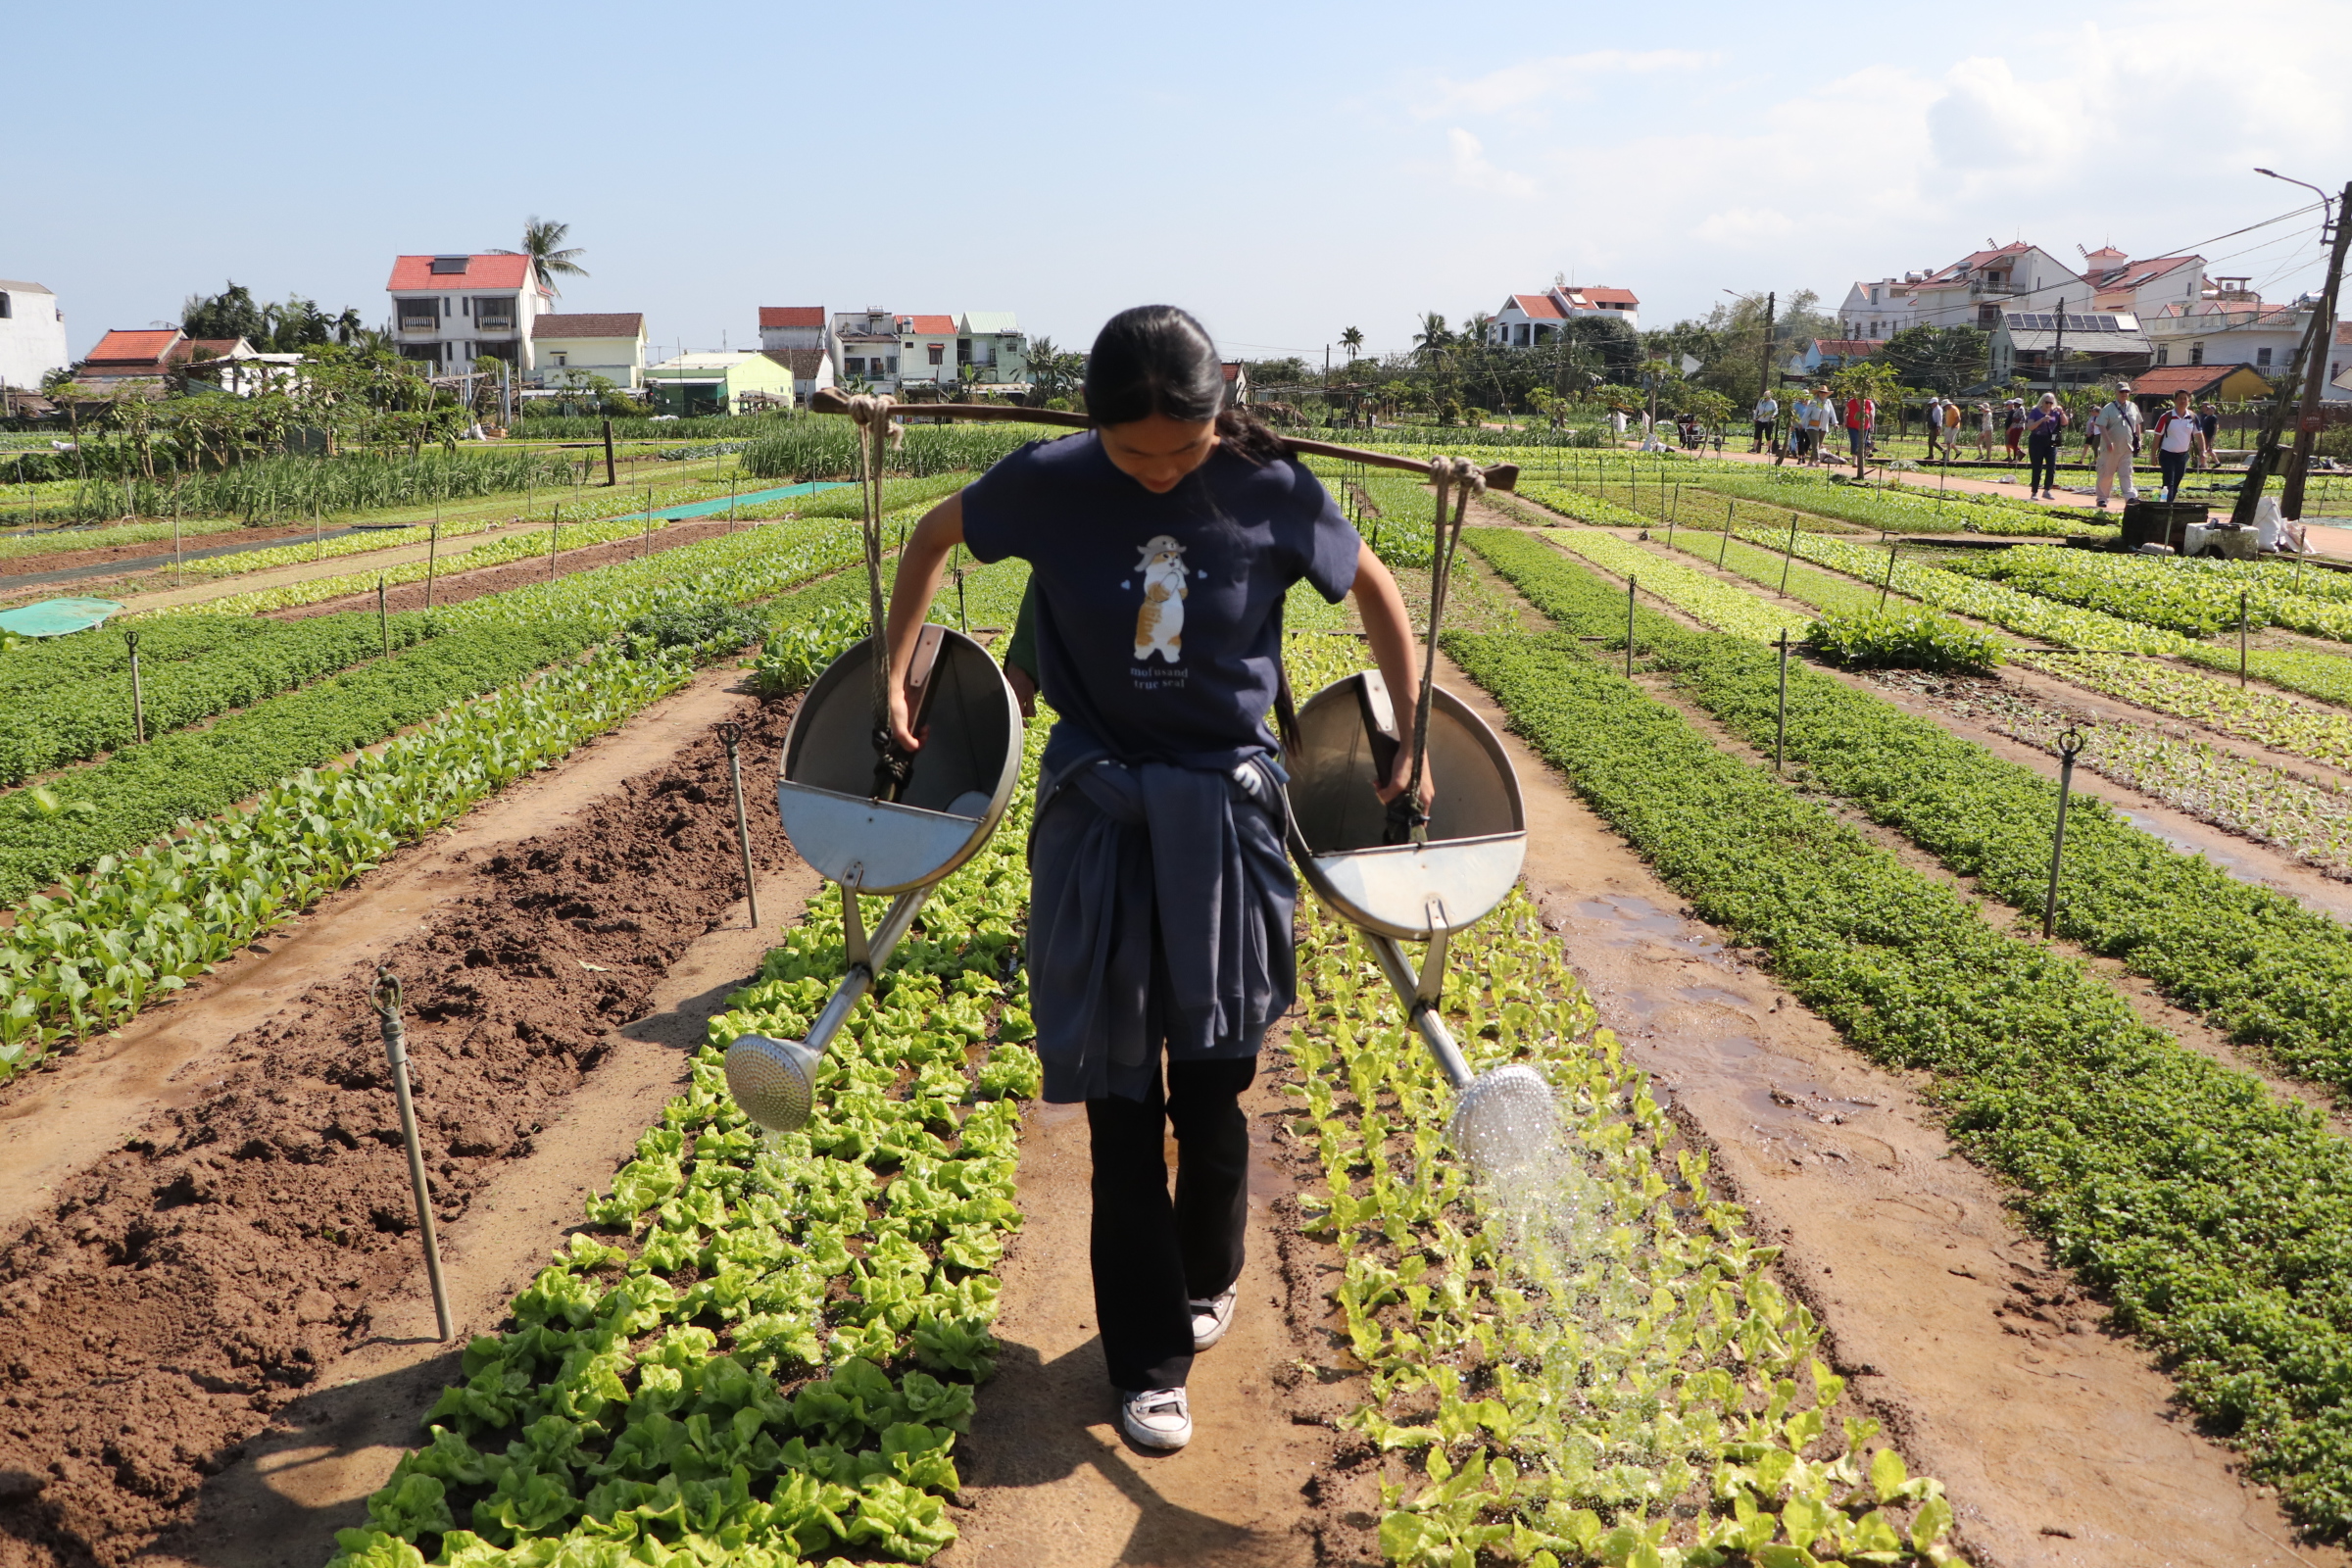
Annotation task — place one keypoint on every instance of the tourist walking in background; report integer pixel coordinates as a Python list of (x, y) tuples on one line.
[(1934, 423), (2013, 421), (1951, 429), (2208, 425), (1861, 418), (1800, 427), (2043, 426), (2177, 437), (2115, 428), (1984, 418), (1824, 422), (1768, 417)]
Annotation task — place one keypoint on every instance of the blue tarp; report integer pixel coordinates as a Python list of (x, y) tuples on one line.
[(707, 509), (54, 617)]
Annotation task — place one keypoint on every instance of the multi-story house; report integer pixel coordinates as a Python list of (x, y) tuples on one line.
[(2097, 346), (992, 344), (927, 350), (2142, 288), (865, 348), (1528, 320), (795, 326), (32, 335), (449, 311), (1972, 291)]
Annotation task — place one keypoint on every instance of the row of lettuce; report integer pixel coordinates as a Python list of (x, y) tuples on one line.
[(1594, 1366), (760, 1348), (2211, 1212)]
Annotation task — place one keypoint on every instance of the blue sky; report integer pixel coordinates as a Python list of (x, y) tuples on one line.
[(1286, 170)]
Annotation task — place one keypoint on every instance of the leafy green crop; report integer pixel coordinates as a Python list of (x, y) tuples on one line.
[(773, 1354), (139, 924), (1903, 638), (1709, 599), (1605, 1343), (2212, 1214), (56, 710), (2197, 598)]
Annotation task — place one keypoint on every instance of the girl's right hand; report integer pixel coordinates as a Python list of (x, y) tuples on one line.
[(906, 739)]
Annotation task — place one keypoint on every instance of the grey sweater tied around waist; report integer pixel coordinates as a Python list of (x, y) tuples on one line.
[(1160, 914)]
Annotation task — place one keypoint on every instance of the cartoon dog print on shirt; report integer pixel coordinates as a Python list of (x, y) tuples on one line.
[(1160, 623)]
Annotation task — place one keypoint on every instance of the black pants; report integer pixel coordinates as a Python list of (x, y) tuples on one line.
[(2041, 473), (1153, 1256), (2175, 467)]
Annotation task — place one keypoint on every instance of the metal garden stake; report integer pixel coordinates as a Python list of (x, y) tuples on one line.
[(1633, 586), (1789, 556), (1725, 548), (386, 998), (138, 696), (555, 541), (732, 733), (1889, 582), (2241, 638), (384, 615), (432, 551), (1780, 733), (2069, 746)]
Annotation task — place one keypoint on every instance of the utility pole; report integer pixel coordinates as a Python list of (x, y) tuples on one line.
[(1764, 377), (2314, 359), (2310, 355), (2058, 351)]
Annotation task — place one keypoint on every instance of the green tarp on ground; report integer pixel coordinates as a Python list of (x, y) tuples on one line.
[(54, 617)]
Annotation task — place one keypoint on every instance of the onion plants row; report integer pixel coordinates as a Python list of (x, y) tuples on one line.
[(290, 488), (827, 448), (2210, 1213), (764, 1349)]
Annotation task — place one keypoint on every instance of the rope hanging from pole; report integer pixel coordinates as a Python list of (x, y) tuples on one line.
[(876, 433)]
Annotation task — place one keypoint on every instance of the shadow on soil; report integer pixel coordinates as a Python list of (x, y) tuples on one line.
[(1044, 1421)]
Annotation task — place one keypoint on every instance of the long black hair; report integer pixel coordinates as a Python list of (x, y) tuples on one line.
[(1157, 358)]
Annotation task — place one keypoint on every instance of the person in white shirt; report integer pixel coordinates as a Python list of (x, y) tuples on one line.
[(1935, 426), (1984, 419), (1825, 424), (2176, 437), (2115, 430), (1768, 416)]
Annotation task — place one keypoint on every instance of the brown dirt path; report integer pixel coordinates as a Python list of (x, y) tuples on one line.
[(169, 1297), (2059, 1442), (1048, 1482)]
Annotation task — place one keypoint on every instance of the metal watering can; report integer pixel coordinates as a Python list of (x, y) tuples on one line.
[(951, 802)]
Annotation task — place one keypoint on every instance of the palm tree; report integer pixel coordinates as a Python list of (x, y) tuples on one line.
[(1352, 340), (1432, 340), (540, 237)]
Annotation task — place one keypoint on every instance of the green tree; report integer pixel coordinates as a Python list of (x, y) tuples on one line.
[(1432, 340), (229, 314), (542, 241), (1352, 340), (1944, 358)]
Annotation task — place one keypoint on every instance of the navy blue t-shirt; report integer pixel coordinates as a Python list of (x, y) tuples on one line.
[(1159, 617)]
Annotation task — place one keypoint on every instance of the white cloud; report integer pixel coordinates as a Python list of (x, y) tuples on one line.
[(1744, 227), (1474, 171), (1557, 77)]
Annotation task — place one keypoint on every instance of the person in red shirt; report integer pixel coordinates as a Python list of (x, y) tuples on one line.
[(1861, 418)]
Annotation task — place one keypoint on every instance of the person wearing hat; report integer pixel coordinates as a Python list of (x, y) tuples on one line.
[(2115, 431), (2013, 421)]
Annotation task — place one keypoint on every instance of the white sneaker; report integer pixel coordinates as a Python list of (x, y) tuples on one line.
[(1156, 1418), (1212, 1317)]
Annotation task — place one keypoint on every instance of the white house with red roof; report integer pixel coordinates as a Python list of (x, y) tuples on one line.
[(449, 311), (1528, 320), (2142, 287), (1972, 291), (927, 349)]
